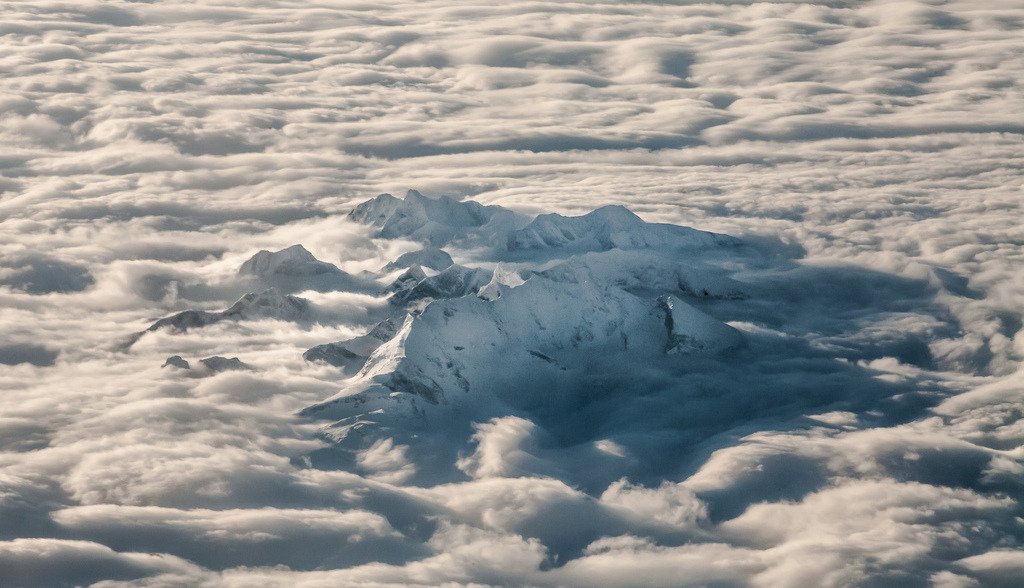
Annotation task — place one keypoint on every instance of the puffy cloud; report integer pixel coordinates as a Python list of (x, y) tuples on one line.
[(50, 562), (868, 156), (301, 539), (37, 274), (503, 449)]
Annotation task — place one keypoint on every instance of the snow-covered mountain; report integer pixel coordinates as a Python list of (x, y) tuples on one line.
[(542, 317), (290, 261), (295, 269), (542, 348), (407, 279), (608, 227), (502, 278), (471, 344), (436, 221), (607, 294), (509, 235)]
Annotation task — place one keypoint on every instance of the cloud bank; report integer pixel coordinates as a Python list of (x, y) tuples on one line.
[(865, 156)]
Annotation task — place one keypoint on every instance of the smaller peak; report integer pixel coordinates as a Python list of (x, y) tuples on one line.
[(266, 262), (176, 361), (414, 271), (407, 279), (616, 212), (268, 294), (688, 329), (415, 195), (376, 210), (432, 257), (218, 363), (297, 249), (502, 278), (269, 303)]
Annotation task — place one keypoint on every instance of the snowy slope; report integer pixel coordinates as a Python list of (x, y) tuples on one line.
[(295, 269), (350, 355), (294, 260), (436, 221), (648, 271), (457, 345), (541, 349), (453, 282), (502, 279), (430, 257), (608, 227)]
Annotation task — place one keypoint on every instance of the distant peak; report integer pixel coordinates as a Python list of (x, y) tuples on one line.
[(615, 212), (176, 361), (296, 249)]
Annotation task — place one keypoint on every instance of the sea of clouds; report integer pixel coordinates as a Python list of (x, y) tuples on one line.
[(873, 150)]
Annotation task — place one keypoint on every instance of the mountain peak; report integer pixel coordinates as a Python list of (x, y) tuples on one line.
[(431, 257), (295, 257), (269, 303), (503, 278), (433, 220), (615, 213)]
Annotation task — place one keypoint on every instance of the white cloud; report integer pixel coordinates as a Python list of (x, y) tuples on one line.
[(869, 154)]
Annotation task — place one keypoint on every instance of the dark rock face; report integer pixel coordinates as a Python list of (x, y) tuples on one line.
[(176, 361), (222, 364)]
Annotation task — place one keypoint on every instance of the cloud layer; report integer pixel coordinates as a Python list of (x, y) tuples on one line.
[(867, 154)]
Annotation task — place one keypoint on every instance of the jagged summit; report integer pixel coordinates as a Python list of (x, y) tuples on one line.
[(453, 282), (690, 330), (177, 361), (407, 279), (218, 363)]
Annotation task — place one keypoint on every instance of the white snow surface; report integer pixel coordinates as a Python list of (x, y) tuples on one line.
[(293, 261)]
